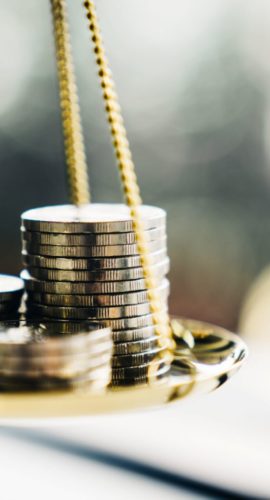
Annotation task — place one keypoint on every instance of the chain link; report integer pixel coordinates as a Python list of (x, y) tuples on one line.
[(72, 130), (126, 169)]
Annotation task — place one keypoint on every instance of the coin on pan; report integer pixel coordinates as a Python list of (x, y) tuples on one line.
[(133, 334), (116, 324), (69, 263), (82, 288), (36, 367), (160, 376), (132, 273), (128, 360), (92, 312), (82, 240), (92, 218), (91, 251), (11, 288), (98, 300), (98, 378), (138, 371), (52, 338), (135, 347)]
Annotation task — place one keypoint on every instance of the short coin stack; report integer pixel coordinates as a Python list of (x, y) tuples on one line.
[(11, 291), (83, 263), (54, 355)]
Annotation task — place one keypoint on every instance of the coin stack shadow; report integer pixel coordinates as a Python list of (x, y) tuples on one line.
[(11, 291), (83, 264)]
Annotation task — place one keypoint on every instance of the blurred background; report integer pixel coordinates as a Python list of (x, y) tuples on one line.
[(193, 79), (194, 83)]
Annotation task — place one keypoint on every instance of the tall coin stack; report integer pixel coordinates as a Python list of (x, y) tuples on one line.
[(82, 263)]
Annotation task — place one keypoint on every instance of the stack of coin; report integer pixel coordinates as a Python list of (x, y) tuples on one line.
[(54, 355), (83, 263), (11, 291)]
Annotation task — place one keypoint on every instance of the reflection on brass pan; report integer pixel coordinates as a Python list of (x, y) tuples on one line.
[(220, 349), (92, 218), (11, 288), (131, 360), (135, 347), (91, 312), (94, 264), (115, 300), (92, 251), (132, 273), (69, 288), (82, 240)]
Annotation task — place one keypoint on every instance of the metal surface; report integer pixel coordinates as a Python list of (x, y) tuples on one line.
[(203, 375)]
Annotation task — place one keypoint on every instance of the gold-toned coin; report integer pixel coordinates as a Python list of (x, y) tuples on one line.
[(98, 378), (93, 264), (123, 299), (139, 371), (82, 240), (49, 367), (33, 338), (92, 218), (91, 251), (132, 273), (160, 376), (82, 288), (91, 312), (135, 347), (116, 324), (132, 334), (129, 360)]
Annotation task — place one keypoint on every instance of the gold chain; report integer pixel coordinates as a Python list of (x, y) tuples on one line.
[(126, 170), (73, 138)]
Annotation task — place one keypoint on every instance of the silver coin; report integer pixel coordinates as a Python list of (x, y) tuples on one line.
[(159, 377), (11, 288), (82, 240), (92, 218), (52, 338), (134, 334), (91, 251), (94, 264), (96, 379), (91, 312), (124, 299), (39, 372), (82, 288), (38, 367), (132, 273), (135, 347), (141, 370), (115, 324), (129, 360)]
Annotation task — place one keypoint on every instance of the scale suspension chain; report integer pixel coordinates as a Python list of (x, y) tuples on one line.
[(73, 138), (126, 168)]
